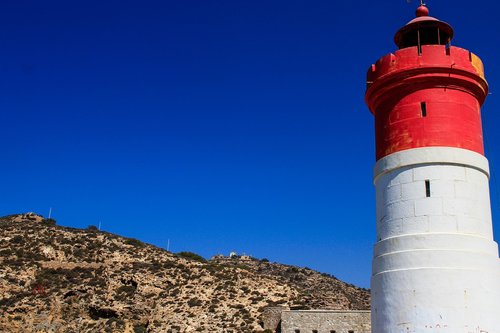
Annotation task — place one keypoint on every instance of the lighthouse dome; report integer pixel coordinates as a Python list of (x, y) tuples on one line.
[(423, 30)]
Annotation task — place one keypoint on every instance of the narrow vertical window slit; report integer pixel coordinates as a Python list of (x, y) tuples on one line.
[(419, 45), (423, 108), (427, 188)]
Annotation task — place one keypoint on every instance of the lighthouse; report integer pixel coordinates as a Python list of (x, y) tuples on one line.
[(435, 263)]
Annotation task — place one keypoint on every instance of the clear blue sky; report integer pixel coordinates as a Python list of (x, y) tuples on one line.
[(220, 125)]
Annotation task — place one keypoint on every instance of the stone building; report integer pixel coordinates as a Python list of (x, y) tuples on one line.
[(316, 321)]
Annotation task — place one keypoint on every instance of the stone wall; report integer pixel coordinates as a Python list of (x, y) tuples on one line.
[(325, 321), (271, 317)]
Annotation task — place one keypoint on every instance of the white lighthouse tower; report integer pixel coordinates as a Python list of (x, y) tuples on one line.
[(435, 265)]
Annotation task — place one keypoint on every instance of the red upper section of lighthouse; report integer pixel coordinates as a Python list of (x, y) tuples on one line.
[(427, 93)]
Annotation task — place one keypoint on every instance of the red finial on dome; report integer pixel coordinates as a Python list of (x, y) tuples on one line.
[(422, 10)]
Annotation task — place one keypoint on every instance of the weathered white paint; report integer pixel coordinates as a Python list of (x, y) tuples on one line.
[(435, 266)]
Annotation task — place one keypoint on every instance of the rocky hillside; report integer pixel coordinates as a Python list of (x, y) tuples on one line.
[(59, 279)]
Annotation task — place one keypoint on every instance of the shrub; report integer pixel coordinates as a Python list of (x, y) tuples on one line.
[(134, 242), (127, 291), (194, 302), (139, 329), (242, 266), (191, 256), (48, 222), (92, 228), (17, 239)]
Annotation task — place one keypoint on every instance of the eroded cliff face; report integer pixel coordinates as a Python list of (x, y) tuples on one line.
[(58, 279)]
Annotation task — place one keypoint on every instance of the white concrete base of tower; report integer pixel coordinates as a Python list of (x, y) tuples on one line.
[(436, 266)]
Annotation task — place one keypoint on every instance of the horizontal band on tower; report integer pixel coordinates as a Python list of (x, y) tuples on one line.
[(436, 241), (431, 155), (436, 259)]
